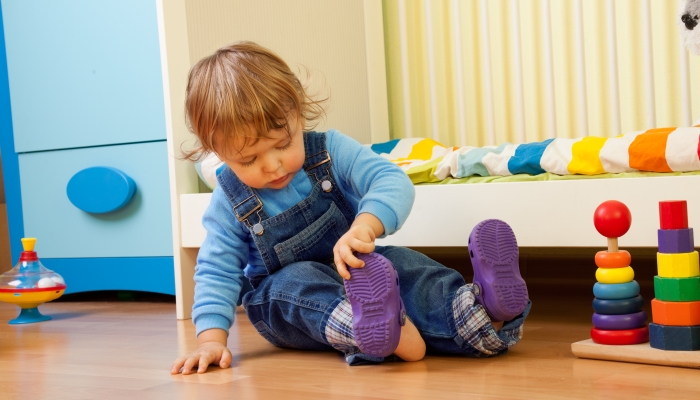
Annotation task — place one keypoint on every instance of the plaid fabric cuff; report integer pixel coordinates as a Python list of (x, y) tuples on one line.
[(339, 332), (474, 325)]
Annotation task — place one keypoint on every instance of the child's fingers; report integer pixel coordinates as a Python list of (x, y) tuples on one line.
[(189, 364), (204, 361), (342, 268), (225, 359), (175, 369), (353, 261), (361, 246), (340, 264)]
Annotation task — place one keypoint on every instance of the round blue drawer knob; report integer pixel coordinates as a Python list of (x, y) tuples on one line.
[(100, 190)]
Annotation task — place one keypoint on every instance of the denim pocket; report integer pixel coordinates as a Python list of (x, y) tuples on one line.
[(271, 337), (315, 242)]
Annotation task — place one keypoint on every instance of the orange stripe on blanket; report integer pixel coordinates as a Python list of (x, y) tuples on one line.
[(648, 150)]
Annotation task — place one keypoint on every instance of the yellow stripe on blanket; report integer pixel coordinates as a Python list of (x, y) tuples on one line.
[(586, 156), (424, 172)]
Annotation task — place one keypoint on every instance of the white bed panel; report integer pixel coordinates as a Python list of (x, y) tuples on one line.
[(542, 214), (192, 207)]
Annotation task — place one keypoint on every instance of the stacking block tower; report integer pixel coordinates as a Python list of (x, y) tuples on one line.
[(619, 317), (676, 308)]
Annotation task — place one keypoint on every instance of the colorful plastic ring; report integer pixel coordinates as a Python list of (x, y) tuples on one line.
[(615, 291), (628, 336), (619, 322), (616, 259), (614, 275), (618, 307)]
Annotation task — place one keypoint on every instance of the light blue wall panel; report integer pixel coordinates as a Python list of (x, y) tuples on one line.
[(83, 72), (142, 228)]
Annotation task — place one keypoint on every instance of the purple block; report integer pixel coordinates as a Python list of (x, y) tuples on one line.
[(619, 322), (674, 241)]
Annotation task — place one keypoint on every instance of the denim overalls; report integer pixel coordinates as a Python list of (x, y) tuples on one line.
[(290, 305)]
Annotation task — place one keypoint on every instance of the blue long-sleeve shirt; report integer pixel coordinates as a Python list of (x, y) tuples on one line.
[(371, 184)]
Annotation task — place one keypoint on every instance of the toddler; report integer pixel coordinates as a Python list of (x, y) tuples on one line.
[(295, 216)]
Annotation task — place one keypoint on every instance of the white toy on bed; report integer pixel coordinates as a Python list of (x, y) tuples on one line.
[(688, 23), (207, 169)]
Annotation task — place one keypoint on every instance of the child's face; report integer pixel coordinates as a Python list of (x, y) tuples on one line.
[(268, 162)]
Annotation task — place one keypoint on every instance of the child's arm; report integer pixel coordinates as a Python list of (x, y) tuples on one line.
[(379, 191), (218, 280), (211, 349)]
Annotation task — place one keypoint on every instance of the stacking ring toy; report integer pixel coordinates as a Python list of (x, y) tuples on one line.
[(614, 275), (615, 259), (617, 307), (619, 322), (627, 336), (616, 291)]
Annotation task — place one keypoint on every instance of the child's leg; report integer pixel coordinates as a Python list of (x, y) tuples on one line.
[(498, 293), (444, 310), (340, 334), (290, 307), (477, 333), (379, 317), (303, 306)]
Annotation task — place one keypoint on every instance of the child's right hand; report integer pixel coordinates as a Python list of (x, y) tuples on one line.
[(211, 352)]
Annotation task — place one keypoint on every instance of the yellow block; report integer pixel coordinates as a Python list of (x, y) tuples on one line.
[(615, 275), (681, 265)]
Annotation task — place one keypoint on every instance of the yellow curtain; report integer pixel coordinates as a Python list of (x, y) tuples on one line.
[(630, 60)]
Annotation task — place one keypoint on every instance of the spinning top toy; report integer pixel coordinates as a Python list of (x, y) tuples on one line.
[(30, 284)]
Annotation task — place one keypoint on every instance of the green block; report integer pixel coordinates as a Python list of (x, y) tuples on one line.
[(677, 289)]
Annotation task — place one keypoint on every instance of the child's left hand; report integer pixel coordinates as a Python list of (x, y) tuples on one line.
[(360, 238)]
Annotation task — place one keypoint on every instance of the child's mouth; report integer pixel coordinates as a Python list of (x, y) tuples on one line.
[(279, 180)]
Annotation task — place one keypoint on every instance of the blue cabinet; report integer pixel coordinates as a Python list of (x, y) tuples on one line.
[(83, 73), (86, 90)]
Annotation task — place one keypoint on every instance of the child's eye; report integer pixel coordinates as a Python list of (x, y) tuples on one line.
[(286, 146), (248, 163)]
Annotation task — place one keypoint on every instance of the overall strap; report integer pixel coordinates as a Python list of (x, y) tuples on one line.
[(318, 160), (244, 202)]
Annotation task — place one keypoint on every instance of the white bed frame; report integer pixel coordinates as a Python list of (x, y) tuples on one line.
[(542, 214)]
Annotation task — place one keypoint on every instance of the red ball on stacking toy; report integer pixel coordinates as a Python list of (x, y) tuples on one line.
[(612, 219)]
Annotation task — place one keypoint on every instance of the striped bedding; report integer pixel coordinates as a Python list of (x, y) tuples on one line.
[(654, 150)]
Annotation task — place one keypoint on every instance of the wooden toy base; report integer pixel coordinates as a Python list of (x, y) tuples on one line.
[(636, 353)]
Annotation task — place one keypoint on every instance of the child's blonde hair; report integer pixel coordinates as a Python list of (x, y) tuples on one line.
[(239, 86)]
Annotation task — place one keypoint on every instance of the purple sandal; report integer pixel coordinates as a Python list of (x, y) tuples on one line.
[(377, 309), (498, 285)]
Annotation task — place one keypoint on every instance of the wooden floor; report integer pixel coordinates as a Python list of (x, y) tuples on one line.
[(112, 349)]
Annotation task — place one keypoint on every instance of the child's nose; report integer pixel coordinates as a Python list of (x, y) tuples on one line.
[(271, 164)]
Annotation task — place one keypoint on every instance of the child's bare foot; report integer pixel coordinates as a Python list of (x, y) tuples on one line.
[(411, 345), (497, 325)]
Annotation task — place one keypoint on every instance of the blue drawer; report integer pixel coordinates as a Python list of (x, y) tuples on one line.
[(142, 228), (83, 73), (146, 274)]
